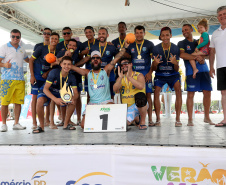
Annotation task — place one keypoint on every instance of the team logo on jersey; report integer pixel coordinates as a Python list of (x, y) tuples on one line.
[(118, 46), (107, 52), (102, 77), (55, 82), (87, 47), (160, 57), (188, 47), (144, 49), (91, 80), (132, 50)]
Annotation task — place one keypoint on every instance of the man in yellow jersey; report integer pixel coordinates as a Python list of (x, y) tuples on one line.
[(132, 88)]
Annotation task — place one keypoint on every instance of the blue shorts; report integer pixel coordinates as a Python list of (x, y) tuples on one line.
[(36, 87), (42, 94), (200, 83), (149, 87), (160, 81), (132, 112)]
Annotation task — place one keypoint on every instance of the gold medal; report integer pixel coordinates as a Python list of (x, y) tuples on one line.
[(139, 50), (139, 56), (71, 50), (95, 80), (95, 86), (127, 91)]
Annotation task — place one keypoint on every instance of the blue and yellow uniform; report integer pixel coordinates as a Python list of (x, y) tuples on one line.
[(118, 43), (202, 80), (165, 72), (54, 79), (62, 46), (142, 65), (75, 58)]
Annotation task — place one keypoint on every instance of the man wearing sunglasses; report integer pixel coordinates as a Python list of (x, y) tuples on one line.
[(39, 80), (131, 85), (12, 56), (98, 79)]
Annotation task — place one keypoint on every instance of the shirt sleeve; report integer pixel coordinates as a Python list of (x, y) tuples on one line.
[(177, 53), (2, 52), (25, 54), (180, 45), (73, 82), (60, 54), (36, 46), (37, 53), (212, 44), (205, 37), (51, 76), (128, 50)]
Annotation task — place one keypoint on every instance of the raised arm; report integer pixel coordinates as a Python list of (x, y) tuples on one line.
[(83, 61), (83, 72)]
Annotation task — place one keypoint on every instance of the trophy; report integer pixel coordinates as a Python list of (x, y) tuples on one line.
[(66, 94)]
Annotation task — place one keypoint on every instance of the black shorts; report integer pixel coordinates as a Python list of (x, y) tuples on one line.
[(221, 78)]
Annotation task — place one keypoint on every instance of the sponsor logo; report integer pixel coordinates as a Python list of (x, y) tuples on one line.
[(139, 61), (118, 46), (102, 77), (160, 57), (132, 50), (105, 109), (144, 49), (71, 182), (188, 175), (107, 52), (89, 128), (35, 177), (188, 47)]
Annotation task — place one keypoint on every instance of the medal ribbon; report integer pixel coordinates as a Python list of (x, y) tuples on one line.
[(65, 45), (89, 43), (61, 80), (49, 50), (127, 82), (121, 44), (139, 50), (95, 80), (167, 58), (103, 50)]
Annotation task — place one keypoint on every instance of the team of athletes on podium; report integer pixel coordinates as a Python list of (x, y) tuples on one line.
[(112, 67)]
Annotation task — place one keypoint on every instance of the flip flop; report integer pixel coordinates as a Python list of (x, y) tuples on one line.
[(220, 125), (178, 124), (142, 127), (38, 130), (69, 127), (60, 124), (158, 124), (53, 126), (151, 124)]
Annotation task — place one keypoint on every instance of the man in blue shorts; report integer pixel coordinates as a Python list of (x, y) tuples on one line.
[(202, 82), (141, 53), (98, 79), (37, 71), (40, 80), (73, 53), (166, 64), (12, 56), (51, 91)]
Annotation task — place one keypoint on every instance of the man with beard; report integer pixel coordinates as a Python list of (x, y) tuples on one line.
[(107, 52), (120, 41), (141, 52), (131, 85), (98, 79)]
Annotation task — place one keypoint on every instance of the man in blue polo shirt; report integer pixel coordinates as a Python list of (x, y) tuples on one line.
[(166, 58), (202, 82), (141, 52), (12, 78), (120, 41)]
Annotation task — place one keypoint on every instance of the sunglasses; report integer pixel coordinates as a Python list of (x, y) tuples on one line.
[(13, 36), (66, 33), (44, 33), (93, 58), (125, 63)]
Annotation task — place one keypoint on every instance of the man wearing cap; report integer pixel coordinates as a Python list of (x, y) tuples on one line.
[(98, 79), (131, 85), (202, 82), (218, 47), (12, 56)]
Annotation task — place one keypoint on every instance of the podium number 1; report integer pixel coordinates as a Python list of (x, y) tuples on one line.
[(105, 121)]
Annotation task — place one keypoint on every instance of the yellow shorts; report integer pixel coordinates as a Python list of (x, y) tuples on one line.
[(12, 91)]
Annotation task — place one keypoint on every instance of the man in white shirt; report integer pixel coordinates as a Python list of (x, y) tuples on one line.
[(218, 47), (12, 56)]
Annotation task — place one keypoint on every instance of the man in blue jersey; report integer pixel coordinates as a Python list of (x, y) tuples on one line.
[(37, 71), (107, 53), (40, 81), (120, 41), (73, 53), (166, 64), (63, 46), (98, 79), (202, 82), (56, 79), (141, 53)]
